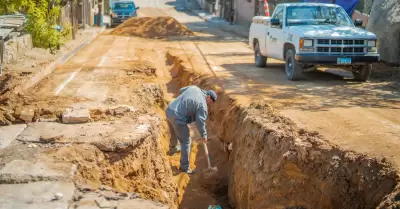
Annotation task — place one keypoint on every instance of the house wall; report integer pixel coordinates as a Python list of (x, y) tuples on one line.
[(244, 11), (201, 3)]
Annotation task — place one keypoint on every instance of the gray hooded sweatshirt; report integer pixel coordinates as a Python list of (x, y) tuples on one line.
[(191, 106)]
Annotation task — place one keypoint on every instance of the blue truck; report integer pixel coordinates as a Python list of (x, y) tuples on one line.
[(121, 11)]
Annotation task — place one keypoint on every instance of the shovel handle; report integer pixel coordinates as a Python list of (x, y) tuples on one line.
[(208, 155)]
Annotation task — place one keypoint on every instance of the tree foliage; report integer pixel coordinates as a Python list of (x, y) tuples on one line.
[(43, 16)]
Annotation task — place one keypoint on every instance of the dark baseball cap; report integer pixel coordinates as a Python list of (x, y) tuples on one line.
[(212, 94)]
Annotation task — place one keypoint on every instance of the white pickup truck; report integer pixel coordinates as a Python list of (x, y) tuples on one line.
[(306, 35)]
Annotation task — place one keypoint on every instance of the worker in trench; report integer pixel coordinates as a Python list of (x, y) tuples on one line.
[(190, 106)]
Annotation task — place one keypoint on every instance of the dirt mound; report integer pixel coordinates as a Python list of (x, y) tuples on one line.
[(152, 27), (8, 83)]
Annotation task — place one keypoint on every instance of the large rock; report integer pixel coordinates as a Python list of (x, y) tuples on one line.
[(27, 115), (9, 133), (23, 171), (126, 132), (385, 23), (36, 195), (77, 115)]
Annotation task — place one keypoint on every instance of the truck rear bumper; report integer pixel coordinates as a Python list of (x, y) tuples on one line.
[(312, 58)]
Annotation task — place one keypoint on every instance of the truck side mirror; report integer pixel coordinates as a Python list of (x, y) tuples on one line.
[(275, 22), (358, 22)]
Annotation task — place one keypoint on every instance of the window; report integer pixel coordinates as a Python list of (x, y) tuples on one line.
[(124, 5), (278, 14), (317, 15)]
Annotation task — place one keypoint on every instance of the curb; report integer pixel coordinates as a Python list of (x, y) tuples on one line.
[(61, 60), (220, 23)]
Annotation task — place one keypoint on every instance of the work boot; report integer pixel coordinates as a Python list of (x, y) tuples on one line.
[(173, 150), (188, 171)]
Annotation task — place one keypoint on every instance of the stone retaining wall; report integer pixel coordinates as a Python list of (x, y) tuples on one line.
[(16, 47)]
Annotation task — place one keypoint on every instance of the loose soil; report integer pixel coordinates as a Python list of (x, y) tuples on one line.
[(152, 27), (50, 107)]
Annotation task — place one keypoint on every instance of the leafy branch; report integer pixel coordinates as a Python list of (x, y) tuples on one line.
[(43, 16)]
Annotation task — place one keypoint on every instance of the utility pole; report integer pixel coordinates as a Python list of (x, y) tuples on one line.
[(72, 19), (82, 13), (2, 51), (99, 13)]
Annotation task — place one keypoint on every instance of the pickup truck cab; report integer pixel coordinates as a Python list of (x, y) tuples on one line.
[(122, 10), (308, 35)]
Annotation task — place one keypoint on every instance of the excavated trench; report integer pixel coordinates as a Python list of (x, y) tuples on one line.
[(274, 164), (264, 160)]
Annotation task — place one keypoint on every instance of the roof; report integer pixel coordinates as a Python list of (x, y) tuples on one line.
[(4, 32), (311, 4)]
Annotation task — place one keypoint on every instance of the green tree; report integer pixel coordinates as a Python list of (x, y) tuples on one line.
[(43, 16)]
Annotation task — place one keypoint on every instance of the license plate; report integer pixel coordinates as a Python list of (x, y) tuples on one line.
[(344, 60)]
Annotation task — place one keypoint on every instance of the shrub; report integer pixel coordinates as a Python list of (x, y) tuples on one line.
[(43, 16)]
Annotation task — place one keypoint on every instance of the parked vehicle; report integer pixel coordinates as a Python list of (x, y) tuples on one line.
[(121, 11), (313, 34)]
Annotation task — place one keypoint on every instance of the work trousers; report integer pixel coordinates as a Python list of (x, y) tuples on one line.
[(179, 133)]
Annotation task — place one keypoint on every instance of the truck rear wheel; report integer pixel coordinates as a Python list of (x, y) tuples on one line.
[(362, 73), (260, 60), (293, 69)]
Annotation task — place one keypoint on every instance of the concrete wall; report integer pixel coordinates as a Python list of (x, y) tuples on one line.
[(364, 6), (201, 3), (14, 48), (244, 11)]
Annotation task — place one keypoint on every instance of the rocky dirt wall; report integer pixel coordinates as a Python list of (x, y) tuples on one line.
[(16, 47), (141, 167), (274, 164)]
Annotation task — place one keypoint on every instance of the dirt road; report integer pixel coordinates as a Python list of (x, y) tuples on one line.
[(124, 82), (357, 116)]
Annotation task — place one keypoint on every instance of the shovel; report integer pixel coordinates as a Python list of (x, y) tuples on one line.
[(210, 169)]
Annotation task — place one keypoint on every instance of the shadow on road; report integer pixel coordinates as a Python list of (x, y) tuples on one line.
[(318, 90)]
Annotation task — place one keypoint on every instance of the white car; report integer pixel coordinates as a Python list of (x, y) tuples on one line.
[(313, 34)]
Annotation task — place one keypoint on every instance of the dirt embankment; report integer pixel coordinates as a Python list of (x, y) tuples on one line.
[(152, 27), (33, 105), (274, 164), (386, 73), (140, 167)]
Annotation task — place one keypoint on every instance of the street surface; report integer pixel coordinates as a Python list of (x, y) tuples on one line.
[(360, 116)]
